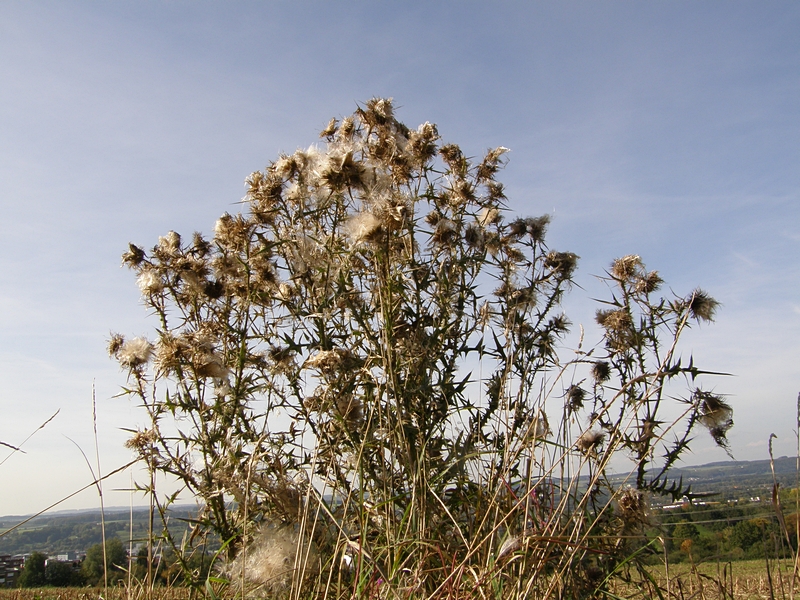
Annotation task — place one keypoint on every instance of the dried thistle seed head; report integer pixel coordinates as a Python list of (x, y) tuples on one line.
[(590, 440), (649, 283), (433, 218), (142, 443), (135, 353), (513, 255), (715, 414), (149, 282), (445, 232), (115, 343), (210, 364), (330, 129), (575, 396), (702, 306), (463, 192), (347, 129), (490, 164), (488, 216), (378, 111), (327, 361), (496, 191), (349, 409), (422, 143), (262, 268), (170, 244), (614, 320), (631, 500), (287, 166), (200, 246), (134, 256), (627, 267), (536, 227), (454, 158), (473, 236), (601, 371), (286, 292), (264, 190), (171, 353), (494, 243), (533, 227), (276, 557), (541, 427), (517, 228), (341, 171), (562, 263), (619, 330), (232, 232)]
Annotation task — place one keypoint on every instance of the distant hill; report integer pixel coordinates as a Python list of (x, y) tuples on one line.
[(737, 479), (75, 531)]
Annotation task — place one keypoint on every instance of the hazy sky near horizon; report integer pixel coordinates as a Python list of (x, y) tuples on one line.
[(665, 129)]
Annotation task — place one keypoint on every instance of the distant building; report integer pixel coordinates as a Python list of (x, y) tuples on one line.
[(10, 568)]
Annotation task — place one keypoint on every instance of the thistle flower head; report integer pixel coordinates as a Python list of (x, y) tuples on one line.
[(649, 283), (378, 111), (170, 353), (632, 507), (328, 361), (454, 158), (135, 353), (341, 170), (422, 143), (575, 396), (143, 443), (364, 227), (347, 128), (330, 129), (170, 244), (210, 364), (473, 236), (562, 263), (232, 232), (590, 440), (601, 371), (115, 343), (134, 256), (277, 556), (715, 414), (445, 232), (627, 267), (491, 163), (488, 216), (149, 282), (702, 306)]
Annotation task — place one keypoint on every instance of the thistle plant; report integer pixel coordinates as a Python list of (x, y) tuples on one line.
[(363, 362)]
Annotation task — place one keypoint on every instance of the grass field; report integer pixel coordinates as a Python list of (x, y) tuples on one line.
[(740, 580)]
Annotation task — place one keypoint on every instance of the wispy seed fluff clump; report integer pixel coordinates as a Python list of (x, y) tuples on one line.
[(131, 354), (276, 560)]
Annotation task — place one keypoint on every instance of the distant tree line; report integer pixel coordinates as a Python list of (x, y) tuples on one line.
[(727, 531)]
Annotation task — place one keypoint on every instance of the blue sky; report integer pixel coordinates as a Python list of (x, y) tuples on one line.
[(665, 129)]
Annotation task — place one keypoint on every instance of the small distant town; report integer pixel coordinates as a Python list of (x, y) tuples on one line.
[(66, 549)]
